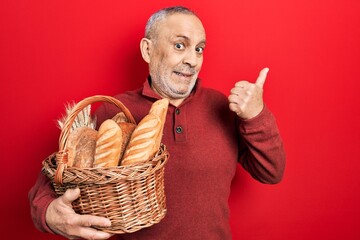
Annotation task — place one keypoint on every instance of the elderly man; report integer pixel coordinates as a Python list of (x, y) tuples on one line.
[(207, 134)]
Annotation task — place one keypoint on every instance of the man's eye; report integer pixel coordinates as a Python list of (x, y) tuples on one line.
[(179, 46), (199, 49)]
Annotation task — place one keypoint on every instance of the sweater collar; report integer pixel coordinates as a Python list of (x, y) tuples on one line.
[(149, 92)]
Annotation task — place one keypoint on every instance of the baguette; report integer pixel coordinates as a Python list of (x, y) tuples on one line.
[(160, 108), (146, 138), (142, 145), (81, 147), (108, 145)]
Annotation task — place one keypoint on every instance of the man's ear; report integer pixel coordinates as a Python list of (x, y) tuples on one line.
[(145, 48)]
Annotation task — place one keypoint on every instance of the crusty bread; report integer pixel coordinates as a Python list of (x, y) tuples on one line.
[(108, 145), (142, 145), (160, 108), (81, 147), (146, 139), (127, 130), (126, 127), (120, 117)]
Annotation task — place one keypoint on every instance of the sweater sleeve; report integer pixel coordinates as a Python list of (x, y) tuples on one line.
[(262, 152), (40, 196)]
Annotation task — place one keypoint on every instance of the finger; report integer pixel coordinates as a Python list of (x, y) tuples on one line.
[(237, 91), (239, 99), (90, 220), (242, 84), (236, 103), (260, 81), (235, 108), (234, 99), (70, 195), (91, 233)]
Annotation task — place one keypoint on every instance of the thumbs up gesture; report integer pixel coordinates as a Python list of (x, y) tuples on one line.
[(246, 99)]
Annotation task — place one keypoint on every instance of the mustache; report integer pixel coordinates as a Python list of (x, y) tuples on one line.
[(188, 70)]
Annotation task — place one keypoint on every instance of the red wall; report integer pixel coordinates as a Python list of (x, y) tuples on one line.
[(52, 52)]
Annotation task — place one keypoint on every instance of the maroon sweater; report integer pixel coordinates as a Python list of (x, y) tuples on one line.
[(206, 141)]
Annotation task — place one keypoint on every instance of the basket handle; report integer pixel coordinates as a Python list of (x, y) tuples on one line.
[(62, 155)]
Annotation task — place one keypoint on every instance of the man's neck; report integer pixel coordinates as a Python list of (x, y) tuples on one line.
[(173, 101), (176, 102)]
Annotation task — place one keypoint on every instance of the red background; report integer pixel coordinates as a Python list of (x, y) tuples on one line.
[(52, 52)]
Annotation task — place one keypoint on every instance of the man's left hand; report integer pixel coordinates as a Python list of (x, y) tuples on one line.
[(246, 99)]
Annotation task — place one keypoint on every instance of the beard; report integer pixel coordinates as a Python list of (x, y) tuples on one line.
[(173, 88), (174, 84)]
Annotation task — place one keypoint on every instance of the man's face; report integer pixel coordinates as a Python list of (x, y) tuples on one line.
[(177, 55)]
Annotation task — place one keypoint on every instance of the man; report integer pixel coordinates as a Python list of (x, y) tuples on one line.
[(206, 134)]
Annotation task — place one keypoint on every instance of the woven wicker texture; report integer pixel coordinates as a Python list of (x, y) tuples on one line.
[(132, 197)]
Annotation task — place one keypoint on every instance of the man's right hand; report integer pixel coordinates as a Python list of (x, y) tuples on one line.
[(63, 220)]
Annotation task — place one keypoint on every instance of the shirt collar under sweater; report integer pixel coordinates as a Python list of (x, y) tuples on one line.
[(147, 91)]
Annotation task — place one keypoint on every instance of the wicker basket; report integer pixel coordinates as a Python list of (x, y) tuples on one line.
[(132, 197)]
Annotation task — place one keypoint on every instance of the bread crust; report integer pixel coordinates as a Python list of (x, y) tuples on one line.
[(146, 138), (120, 117), (142, 145), (159, 108), (108, 144), (81, 147), (127, 130), (118, 140)]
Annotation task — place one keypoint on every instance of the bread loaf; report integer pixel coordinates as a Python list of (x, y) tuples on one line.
[(159, 108), (126, 127), (108, 145), (142, 145), (105, 148), (127, 130), (81, 147), (146, 139), (120, 117)]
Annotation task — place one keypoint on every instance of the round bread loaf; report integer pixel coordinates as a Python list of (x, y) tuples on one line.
[(81, 147)]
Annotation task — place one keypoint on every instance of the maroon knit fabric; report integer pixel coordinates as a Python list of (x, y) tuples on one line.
[(206, 141)]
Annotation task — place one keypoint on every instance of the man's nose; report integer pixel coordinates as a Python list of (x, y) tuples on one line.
[(191, 58)]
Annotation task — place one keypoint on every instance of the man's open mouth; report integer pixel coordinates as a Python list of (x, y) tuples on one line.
[(188, 75)]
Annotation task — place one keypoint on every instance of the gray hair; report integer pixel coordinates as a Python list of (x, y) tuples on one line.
[(157, 17)]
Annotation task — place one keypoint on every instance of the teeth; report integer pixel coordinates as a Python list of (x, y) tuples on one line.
[(184, 75)]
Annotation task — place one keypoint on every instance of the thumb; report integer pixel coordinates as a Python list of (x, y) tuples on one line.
[(262, 77), (70, 195)]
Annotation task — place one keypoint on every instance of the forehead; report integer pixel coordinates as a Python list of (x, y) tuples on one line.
[(186, 25)]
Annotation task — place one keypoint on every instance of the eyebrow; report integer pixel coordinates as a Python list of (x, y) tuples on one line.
[(188, 39)]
